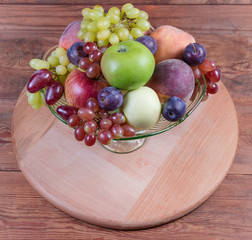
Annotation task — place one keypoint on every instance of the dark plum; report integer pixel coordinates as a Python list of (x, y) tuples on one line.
[(148, 42), (174, 109), (39, 80), (194, 54), (75, 53), (54, 92), (110, 98)]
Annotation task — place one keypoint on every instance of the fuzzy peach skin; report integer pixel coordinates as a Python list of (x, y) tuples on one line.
[(69, 36), (171, 42)]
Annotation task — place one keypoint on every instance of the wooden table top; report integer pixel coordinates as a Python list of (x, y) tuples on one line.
[(28, 28)]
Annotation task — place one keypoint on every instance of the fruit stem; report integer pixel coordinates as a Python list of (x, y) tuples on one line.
[(193, 47)]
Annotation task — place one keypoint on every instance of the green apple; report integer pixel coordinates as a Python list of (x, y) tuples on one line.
[(127, 65), (142, 108)]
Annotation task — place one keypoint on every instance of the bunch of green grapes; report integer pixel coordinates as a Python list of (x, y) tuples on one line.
[(59, 66), (114, 26)]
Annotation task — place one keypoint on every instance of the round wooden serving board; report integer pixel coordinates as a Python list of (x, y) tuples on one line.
[(172, 174)]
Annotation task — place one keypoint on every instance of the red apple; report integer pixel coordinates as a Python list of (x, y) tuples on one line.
[(79, 88), (69, 36)]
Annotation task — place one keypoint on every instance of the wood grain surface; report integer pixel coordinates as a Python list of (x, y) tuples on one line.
[(29, 28), (172, 174)]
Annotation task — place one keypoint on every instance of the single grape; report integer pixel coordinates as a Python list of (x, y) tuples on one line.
[(174, 109), (38, 64), (196, 72), (207, 66), (93, 104), (38, 105), (128, 131), (75, 53), (123, 34), (104, 136), (81, 34), (118, 118), (194, 54), (206, 96), (126, 7), (132, 13), (90, 126), (90, 139), (94, 14), (86, 114), (103, 23), (39, 80), (93, 70), (63, 60), (212, 88), (95, 55), (143, 24), (214, 76), (92, 27), (73, 121), (85, 12), (103, 34), (136, 32), (79, 133), (110, 98), (99, 8), (103, 113), (54, 92), (117, 131), (89, 46), (89, 37), (114, 39), (114, 10), (101, 43), (84, 63), (148, 42), (105, 123), (143, 15), (61, 70), (53, 60), (60, 51), (71, 67), (34, 98), (65, 111), (114, 18), (84, 23)]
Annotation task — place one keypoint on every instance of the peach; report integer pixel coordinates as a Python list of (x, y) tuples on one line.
[(69, 36), (171, 42)]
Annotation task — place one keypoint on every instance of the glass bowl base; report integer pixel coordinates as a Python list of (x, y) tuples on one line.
[(125, 146)]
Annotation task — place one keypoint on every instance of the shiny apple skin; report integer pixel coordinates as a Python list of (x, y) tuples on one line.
[(79, 88)]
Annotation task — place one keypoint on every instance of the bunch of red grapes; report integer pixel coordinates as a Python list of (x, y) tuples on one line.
[(195, 56), (93, 122), (86, 56)]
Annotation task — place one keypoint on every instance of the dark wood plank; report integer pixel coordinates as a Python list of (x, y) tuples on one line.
[(26, 215), (34, 18), (135, 2)]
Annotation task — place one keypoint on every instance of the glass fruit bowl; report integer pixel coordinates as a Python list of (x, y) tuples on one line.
[(130, 144)]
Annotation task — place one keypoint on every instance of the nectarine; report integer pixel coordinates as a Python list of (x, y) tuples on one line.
[(171, 42)]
